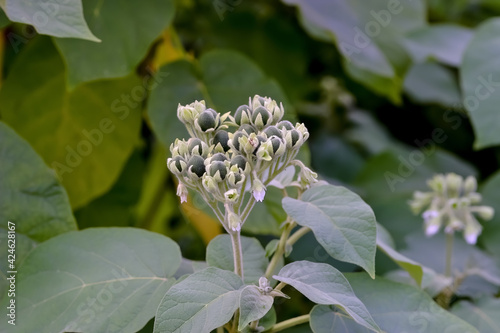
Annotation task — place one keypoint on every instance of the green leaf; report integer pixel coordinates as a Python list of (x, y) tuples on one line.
[(479, 76), (4, 21), (341, 222), (31, 195), (416, 313), (483, 314), (253, 305), (116, 208), (86, 135), (224, 79), (479, 269), (432, 83), (384, 243), (95, 280), (432, 282), (202, 302), (51, 17), (323, 284), (369, 36), (443, 42), (220, 255), (490, 191), (127, 30)]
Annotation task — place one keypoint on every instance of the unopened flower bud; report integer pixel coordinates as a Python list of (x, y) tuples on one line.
[(302, 129), (234, 221), (454, 184), (182, 192), (210, 184), (437, 183), (472, 229), (307, 176), (484, 212), (470, 185), (186, 114)]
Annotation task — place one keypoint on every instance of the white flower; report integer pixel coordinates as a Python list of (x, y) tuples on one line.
[(182, 192), (431, 230), (430, 214), (258, 190)]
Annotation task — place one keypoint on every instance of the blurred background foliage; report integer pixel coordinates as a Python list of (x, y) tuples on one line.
[(391, 91)]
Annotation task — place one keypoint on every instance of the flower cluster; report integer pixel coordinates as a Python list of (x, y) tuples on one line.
[(452, 204), (231, 154)]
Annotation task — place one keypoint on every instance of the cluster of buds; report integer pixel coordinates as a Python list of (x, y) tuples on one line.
[(452, 204), (231, 154)]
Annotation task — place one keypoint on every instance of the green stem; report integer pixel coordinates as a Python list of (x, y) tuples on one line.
[(297, 235), (237, 253), (290, 323), (449, 253), (220, 329), (280, 250)]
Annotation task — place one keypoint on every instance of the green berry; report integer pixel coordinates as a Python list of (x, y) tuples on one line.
[(286, 124), (222, 137), (218, 157), (218, 166), (276, 142), (177, 162), (273, 131), (207, 120), (263, 112), (236, 143), (196, 165), (239, 111), (247, 128), (195, 142), (240, 161)]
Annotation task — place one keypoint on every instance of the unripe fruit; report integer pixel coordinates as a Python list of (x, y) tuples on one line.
[(208, 120), (222, 137), (286, 124), (263, 112), (196, 165), (239, 161), (195, 142), (218, 166), (218, 157), (239, 111), (273, 131)]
